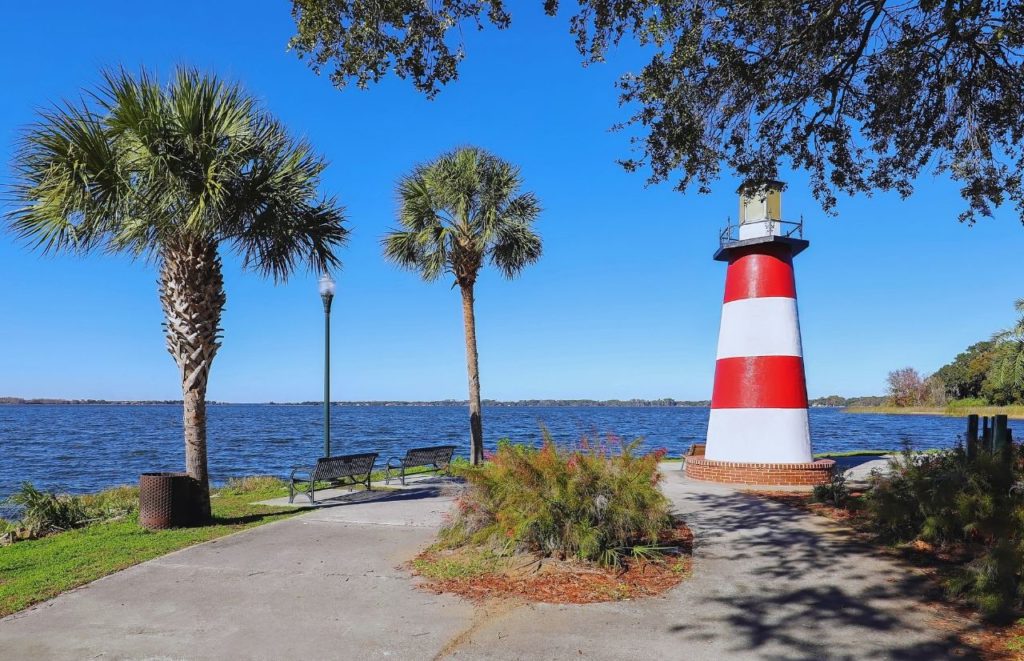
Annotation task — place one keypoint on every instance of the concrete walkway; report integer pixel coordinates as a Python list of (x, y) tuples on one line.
[(769, 582)]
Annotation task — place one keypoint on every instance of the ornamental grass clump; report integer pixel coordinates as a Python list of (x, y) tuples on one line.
[(598, 503)]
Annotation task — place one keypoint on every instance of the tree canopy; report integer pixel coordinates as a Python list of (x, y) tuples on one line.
[(136, 166), (461, 210), (864, 95)]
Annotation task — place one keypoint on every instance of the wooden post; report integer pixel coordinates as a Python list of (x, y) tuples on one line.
[(998, 433), (986, 435), (972, 436)]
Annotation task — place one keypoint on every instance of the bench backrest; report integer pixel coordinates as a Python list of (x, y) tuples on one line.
[(345, 465), (438, 455)]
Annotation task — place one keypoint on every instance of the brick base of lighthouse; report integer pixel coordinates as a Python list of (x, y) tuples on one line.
[(734, 472)]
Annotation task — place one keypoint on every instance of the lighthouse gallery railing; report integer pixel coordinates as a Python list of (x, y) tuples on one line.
[(792, 229)]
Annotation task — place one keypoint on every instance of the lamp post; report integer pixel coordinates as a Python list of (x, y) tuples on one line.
[(327, 295)]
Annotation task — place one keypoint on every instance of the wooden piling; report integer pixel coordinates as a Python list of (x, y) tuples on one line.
[(972, 436)]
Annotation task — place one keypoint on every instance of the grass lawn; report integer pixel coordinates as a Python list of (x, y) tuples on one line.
[(854, 453), (37, 570)]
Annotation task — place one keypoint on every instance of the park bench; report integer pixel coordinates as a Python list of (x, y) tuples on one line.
[(356, 468), (696, 450), (439, 457)]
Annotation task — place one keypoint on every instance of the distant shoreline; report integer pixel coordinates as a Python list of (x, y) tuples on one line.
[(540, 403)]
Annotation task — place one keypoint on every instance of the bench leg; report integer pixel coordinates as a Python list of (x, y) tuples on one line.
[(291, 492)]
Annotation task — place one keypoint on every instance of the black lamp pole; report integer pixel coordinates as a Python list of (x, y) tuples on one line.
[(327, 295)]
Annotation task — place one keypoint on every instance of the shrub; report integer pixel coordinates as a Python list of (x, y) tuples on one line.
[(833, 492), (591, 503), (45, 513), (950, 500)]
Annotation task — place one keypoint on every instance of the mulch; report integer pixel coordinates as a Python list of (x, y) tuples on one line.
[(549, 580)]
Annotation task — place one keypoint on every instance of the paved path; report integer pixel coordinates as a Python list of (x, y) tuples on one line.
[(769, 583)]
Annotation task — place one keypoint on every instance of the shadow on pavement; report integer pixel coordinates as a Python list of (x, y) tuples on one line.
[(815, 594)]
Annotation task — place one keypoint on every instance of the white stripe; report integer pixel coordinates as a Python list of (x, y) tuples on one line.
[(759, 327), (759, 436)]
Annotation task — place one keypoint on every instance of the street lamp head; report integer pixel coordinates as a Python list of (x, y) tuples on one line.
[(327, 290), (326, 285)]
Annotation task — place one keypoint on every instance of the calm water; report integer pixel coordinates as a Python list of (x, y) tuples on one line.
[(84, 448)]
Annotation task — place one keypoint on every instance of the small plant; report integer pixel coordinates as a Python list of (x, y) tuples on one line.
[(596, 503), (834, 492)]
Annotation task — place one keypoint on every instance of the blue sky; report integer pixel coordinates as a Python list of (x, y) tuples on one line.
[(625, 302)]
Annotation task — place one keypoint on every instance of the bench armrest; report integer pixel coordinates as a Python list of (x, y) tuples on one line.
[(299, 471), (398, 462)]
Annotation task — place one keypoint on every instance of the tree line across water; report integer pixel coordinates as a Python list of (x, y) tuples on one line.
[(987, 372)]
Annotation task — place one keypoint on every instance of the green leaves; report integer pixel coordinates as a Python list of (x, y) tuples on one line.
[(460, 210), (864, 95), (362, 40), (135, 165)]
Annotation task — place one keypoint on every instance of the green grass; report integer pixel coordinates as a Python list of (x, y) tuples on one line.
[(853, 453), (953, 411), (37, 570), (465, 563)]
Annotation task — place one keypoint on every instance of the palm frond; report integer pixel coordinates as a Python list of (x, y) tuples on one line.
[(137, 165), (516, 248), (69, 185), (459, 209)]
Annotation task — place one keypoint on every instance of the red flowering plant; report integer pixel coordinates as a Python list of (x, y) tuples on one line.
[(597, 501)]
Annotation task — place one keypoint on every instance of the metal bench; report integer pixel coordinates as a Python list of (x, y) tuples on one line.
[(335, 470), (439, 456)]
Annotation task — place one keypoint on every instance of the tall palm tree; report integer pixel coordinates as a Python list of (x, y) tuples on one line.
[(455, 213), (173, 173)]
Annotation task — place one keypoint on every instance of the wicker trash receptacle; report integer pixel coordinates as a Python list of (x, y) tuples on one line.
[(166, 500)]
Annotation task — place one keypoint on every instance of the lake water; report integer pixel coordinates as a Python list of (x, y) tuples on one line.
[(79, 449)]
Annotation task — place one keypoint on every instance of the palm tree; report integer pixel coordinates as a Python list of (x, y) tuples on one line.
[(171, 174), (1005, 382), (456, 213)]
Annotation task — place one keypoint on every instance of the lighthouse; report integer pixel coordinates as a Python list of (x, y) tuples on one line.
[(758, 429)]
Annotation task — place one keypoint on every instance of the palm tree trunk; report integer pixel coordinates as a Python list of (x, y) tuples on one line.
[(476, 428), (192, 295)]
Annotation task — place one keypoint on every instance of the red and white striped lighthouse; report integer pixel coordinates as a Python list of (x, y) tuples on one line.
[(758, 431)]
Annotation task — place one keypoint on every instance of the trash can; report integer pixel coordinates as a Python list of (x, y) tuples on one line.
[(166, 500)]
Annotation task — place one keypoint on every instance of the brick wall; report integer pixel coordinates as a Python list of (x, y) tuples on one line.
[(817, 472)]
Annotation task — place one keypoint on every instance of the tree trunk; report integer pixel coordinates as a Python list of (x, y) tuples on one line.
[(476, 428), (192, 295)]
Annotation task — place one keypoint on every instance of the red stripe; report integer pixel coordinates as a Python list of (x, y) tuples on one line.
[(760, 382), (759, 275)]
